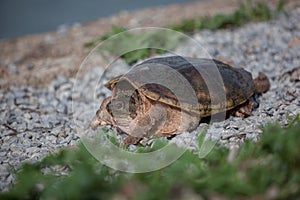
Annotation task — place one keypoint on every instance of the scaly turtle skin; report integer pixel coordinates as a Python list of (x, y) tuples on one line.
[(164, 96)]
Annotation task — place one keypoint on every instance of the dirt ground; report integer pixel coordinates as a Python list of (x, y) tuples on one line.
[(38, 59)]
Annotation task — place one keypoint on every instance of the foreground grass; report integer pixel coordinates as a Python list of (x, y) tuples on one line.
[(167, 41), (267, 169)]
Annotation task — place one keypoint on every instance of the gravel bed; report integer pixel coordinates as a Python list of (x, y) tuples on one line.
[(36, 122)]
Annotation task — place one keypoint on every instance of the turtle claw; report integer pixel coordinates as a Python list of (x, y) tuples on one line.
[(129, 140), (244, 111)]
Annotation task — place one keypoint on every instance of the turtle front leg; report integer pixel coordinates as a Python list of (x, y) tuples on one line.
[(244, 111), (129, 140), (145, 125)]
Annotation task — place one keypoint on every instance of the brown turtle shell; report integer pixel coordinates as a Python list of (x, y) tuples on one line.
[(216, 86)]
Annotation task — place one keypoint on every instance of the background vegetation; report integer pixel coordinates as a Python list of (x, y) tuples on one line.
[(249, 11), (268, 169)]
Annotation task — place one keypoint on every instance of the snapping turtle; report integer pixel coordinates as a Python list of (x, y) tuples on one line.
[(166, 96)]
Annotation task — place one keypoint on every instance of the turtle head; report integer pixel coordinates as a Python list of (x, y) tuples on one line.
[(114, 112), (103, 116)]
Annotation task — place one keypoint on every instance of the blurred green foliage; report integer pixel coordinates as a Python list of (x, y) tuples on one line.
[(269, 168), (145, 45), (115, 30), (133, 46), (249, 11)]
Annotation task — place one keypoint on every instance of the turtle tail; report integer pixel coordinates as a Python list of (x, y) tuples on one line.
[(261, 83)]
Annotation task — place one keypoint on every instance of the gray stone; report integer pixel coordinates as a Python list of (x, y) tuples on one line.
[(62, 108), (59, 82), (12, 68)]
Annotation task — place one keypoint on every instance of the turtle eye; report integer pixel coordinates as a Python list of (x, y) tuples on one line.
[(117, 105)]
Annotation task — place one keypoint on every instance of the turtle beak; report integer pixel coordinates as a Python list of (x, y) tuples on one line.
[(102, 116)]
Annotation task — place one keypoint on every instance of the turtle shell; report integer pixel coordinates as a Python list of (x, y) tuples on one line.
[(202, 86)]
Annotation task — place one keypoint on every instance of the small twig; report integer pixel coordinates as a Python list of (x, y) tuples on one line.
[(279, 105), (12, 129), (238, 135), (292, 94), (33, 110), (289, 72)]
